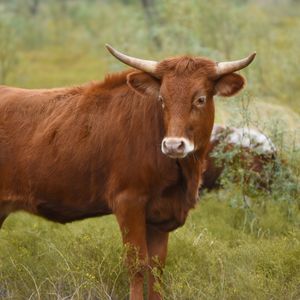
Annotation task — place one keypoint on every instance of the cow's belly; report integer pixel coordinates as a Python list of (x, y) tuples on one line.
[(11, 201), (69, 212), (54, 210)]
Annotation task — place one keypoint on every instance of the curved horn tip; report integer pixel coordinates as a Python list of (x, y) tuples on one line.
[(109, 48), (250, 58), (252, 55)]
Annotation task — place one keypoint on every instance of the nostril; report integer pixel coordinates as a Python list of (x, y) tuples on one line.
[(164, 143), (181, 146)]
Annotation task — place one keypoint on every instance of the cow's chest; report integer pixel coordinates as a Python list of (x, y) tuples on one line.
[(168, 209)]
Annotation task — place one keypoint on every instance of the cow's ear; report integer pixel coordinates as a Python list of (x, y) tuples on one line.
[(143, 83), (230, 84)]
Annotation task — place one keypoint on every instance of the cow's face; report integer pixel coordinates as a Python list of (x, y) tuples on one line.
[(185, 87), (186, 99)]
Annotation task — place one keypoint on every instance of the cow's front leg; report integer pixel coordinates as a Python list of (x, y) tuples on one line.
[(130, 213), (157, 242)]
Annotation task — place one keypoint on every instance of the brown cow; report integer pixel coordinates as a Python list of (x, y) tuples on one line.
[(247, 148), (132, 145)]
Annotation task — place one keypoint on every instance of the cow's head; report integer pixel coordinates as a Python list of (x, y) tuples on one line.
[(185, 87)]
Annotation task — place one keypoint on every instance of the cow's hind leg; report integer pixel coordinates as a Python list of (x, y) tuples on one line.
[(130, 213), (157, 242)]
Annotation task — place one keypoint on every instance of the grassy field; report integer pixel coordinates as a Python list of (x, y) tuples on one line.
[(229, 248), (223, 252)]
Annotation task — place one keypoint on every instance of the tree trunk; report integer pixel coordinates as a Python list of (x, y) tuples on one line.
[(34, 7), (151, 19)]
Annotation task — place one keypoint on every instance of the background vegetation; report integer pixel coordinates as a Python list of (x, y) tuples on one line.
[(239, 243)]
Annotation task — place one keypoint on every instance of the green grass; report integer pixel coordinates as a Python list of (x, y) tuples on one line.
[(223, 252)]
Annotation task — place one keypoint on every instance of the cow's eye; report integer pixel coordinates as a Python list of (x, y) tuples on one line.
[(161, 101), (200, 101)]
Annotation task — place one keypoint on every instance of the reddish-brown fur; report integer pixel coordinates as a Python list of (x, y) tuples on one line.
[(72, 153)]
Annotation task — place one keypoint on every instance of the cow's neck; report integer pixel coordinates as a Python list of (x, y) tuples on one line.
[(191, 168)]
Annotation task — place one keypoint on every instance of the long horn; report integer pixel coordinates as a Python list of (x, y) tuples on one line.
[(147, 66), (227, 67)]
